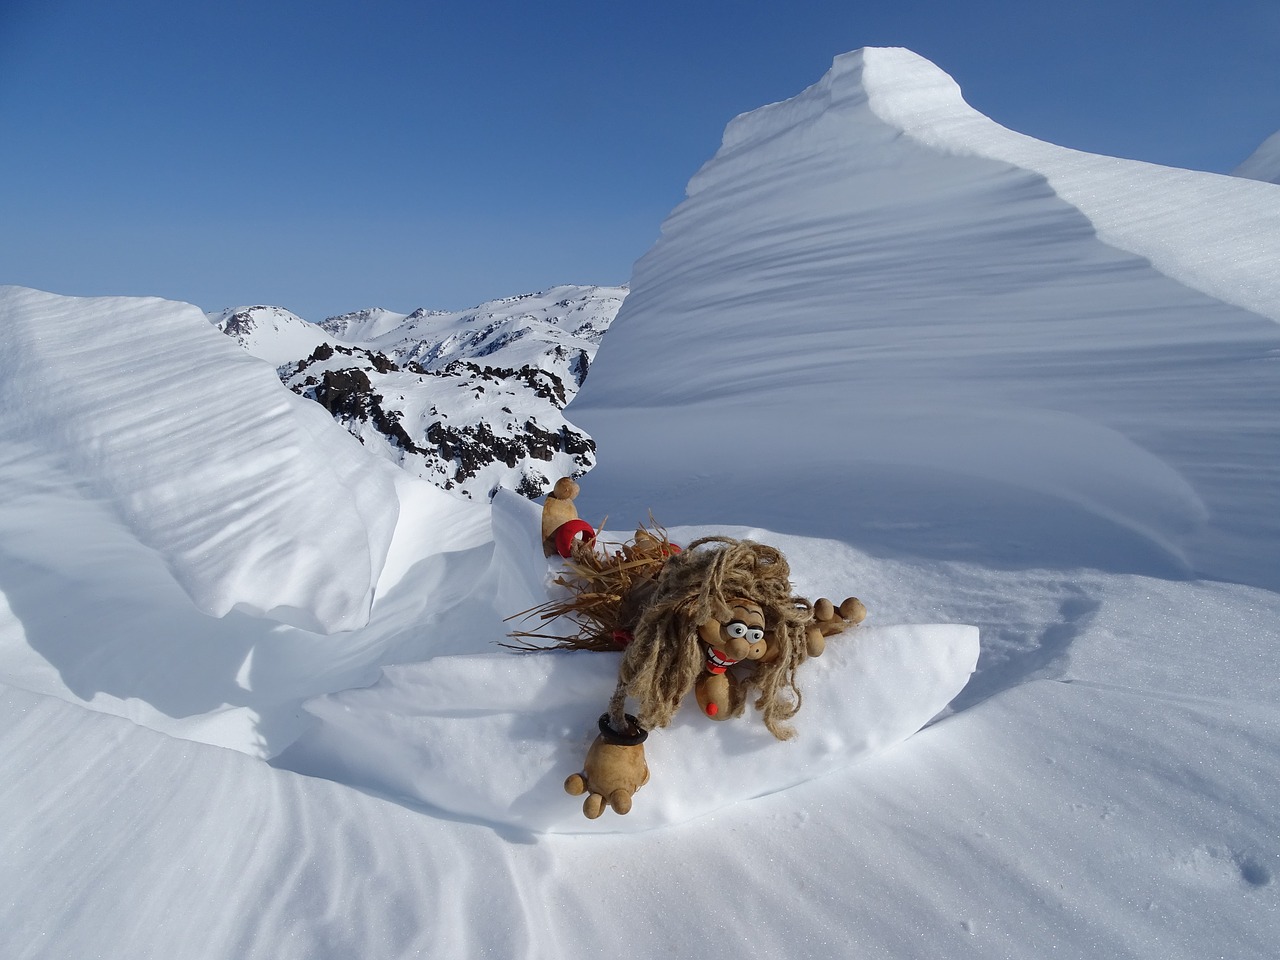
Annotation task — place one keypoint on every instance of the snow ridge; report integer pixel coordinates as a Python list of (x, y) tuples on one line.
[(1196, 240), (250, 495), (934, 291), (1217, 237), (1264, 163)]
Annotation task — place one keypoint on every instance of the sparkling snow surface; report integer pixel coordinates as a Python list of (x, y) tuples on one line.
[(943, 375)]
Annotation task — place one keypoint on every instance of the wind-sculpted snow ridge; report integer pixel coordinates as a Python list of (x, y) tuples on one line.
[(971, 322), (252, 497), (1264, 163), (469, 400), (1209, 232)]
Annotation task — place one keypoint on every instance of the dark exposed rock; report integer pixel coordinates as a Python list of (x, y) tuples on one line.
[(345, 393), (326, 352), (456, 454), (349, 396), (579, 367), (242, 322), (533, 484), (470, 448)]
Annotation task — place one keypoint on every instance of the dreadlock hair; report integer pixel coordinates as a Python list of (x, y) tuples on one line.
[(664, 660)]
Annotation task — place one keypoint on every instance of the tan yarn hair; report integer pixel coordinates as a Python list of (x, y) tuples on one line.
[(663, 662)]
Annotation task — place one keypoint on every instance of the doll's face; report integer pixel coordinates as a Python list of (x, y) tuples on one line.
[(741, 637)]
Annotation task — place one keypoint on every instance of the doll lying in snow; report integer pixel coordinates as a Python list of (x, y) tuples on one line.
[(718, 619)]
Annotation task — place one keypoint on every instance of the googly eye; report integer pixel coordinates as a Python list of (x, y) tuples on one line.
[(735, 629), (755, 634)]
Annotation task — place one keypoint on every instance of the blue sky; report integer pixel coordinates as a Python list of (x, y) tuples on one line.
[(329, 155)]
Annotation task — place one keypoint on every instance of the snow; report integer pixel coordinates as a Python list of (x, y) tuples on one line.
[(546, 329), (429, 731), (964, 308), (269, 333), (1264, 163), (109, 396), (934, 376)]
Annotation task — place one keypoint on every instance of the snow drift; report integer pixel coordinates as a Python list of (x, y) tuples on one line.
[(252, 497), (1029, 347)]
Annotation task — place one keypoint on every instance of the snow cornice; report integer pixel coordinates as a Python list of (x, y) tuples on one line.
[(1213, 233), (1216, 234)]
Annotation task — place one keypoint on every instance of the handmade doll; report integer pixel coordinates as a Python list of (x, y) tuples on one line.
[(718, 619)]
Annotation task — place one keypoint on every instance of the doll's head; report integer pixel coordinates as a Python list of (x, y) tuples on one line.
[(716, 588)]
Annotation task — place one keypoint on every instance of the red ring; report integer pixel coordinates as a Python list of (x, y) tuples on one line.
[(566, 532)]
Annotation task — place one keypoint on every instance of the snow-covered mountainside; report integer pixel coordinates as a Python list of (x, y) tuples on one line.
[(470, 400), (977, 380), (1264, 163), (272, 334)]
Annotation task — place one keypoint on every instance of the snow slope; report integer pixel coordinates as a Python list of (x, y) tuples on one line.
[(977, 411), (433, 731)]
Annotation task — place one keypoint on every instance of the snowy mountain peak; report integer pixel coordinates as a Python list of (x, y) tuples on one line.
[(359, 325), (1264, 163), (566, 308), (269, 333)]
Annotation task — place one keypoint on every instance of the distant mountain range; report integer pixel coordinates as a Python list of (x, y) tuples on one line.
[(469, 400)]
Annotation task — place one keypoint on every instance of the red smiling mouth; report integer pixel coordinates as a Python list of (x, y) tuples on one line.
[(717, 662)]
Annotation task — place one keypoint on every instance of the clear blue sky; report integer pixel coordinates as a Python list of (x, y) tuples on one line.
[(332, 154)]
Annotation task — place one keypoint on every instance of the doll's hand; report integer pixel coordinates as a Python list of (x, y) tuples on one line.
[(828, 620), (615, 769)]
